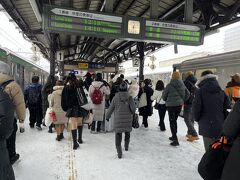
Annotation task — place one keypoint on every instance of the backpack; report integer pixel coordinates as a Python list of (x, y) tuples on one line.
[(7, 110), (97, 95), (33, 95)]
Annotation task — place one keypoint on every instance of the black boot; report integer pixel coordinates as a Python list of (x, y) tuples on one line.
[(80, 129), (74, 137), (50, 129), (174, 141), (14, 158), (61, 136), (58, 138)]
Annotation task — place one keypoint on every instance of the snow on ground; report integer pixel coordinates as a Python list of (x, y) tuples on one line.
[(150, 157)]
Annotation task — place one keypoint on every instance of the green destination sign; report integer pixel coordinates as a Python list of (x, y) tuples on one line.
[(72, 21), (82, 22), (173, 32)]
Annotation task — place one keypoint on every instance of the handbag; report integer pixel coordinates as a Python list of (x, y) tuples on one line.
[(135, 123), (48, 119), (156, 106), (81, 97), (88, 119), (142, 100), (212, 163)]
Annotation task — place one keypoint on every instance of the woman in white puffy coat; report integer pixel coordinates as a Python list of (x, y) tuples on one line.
[(98, 109), (161, 107), (54, 100)]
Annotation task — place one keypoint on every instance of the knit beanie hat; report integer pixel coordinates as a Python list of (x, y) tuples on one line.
[(123, 87)]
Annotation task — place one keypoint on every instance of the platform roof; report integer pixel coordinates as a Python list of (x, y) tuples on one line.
[(207, 12)]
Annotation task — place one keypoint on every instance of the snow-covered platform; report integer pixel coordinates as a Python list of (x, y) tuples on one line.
[(150, 157)]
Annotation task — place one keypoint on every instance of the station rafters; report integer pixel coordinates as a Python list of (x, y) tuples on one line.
[(212, 13)]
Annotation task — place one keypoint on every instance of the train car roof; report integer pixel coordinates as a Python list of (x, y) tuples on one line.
[(4, 53), (217, 60)]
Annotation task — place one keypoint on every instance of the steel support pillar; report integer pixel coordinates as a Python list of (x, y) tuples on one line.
[(140, 47), (188, 11), (188, 14), (52, 54), (109, 6), (154, 9)]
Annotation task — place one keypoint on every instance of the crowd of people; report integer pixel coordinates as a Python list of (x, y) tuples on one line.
[(202, 101)]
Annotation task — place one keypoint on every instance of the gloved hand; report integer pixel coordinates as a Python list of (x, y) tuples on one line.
[(21, 127)]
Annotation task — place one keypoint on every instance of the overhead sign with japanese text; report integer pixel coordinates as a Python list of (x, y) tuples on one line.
[(97, 24), (174, 32), (60, 19)]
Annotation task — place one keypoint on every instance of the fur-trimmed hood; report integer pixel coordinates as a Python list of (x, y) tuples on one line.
[(209, 83), (58, 89)]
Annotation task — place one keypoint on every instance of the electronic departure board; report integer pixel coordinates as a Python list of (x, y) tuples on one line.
[(174, 32), (96, 24), (57, 19)]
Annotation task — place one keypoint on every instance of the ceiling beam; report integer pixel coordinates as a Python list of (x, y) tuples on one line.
[(145, 11), (117, 5), (129, 6), (169, 12), (88, 4)]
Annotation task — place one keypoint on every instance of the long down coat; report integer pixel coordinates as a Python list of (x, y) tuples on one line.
[(209, 106), (231, 129), (123, 107), (54, 100), (98, 109)]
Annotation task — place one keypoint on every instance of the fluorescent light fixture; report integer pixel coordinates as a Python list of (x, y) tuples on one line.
[(35, 10)]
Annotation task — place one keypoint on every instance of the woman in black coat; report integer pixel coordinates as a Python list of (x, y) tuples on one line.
[(210, 106), (231, 129), (73, 97), (146, 110)]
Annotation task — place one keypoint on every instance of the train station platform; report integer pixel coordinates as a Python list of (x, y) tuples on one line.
[(150, 157)]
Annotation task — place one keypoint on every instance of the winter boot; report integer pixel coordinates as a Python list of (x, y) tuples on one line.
[(80, 129), (119, 156), (14, 158), (58, 138), (50, 129), (174, 141), (119, 151), (193, 138), (74, 137), (61, 136)]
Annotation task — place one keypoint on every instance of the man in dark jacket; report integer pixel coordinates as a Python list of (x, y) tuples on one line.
[(33, 99), (231, 128), (190, 82), (210, 106)]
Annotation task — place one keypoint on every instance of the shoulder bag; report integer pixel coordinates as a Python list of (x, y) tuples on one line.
[(142, 100), (212, 163)]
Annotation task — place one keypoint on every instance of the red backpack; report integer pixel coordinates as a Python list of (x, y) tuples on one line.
[(97, 95)]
